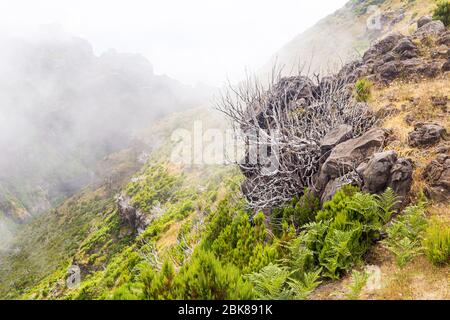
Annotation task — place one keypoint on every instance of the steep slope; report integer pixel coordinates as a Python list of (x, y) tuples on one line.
[(346, 34), (186, 232), (63, 109)]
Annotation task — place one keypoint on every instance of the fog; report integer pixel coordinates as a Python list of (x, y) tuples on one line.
[(192, 41), (63, 108), (80, 78)]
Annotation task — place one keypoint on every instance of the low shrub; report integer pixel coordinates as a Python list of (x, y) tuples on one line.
[(436, 242), (442, 12), (363, 90)]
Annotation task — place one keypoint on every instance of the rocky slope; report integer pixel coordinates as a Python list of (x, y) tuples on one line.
[(347, 34)]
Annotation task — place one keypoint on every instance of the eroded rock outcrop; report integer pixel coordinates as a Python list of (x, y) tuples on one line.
[(351, 153), (433, 28), (336, 136), (377, 171), (401, 178), (136, 220), (437, 175), (426, 135)]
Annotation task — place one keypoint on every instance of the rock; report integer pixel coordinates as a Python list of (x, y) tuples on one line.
[(433, 28), (388, 43), (423, 21), (131, 216), (440, 102), (426, 135), (335, 136), (409, 119), (377, 172), (444, 148), (437, 175), (388, 57), (444, 39), (446, 66), (401, 178), (335, 185), (351, 153), (441, 52), (389, 71), (430, 70), (387, 111), (404, 45)]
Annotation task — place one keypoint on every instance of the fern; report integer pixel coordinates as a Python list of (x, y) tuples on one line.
[(359, 280), (270, 283), (302, 289), (405, 232), (386, 202)]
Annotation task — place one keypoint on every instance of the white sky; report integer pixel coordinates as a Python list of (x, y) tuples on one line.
[(190, 40)]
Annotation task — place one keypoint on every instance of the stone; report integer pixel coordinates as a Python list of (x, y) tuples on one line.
[(377, 172), (351, 153), (433, 28), (336, 136), (389, 71), (444, 39), (129, 215), (423, 21), (446, 66), (401, 178), (335, 185), (403, 45), (426, 135), (437, 175)]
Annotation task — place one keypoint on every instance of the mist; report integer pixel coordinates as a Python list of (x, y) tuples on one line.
[(63, 108)]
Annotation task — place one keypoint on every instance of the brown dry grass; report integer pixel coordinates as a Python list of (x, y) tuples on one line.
[(413, 100)]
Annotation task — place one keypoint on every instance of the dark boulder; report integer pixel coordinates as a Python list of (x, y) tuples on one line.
[(444, 39), (335, 185), (433, 28), (437, 175), (335, 136), (401, 178), (403, 45), (423, 21), (383, 46), (136, 220), (389, 71), (426, 135), (446, 66), (377, 171), (350, 154)]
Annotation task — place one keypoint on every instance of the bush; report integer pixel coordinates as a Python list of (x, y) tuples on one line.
[(442, 12), (363, 90), (298, 213), (206, 278), (436, 242)]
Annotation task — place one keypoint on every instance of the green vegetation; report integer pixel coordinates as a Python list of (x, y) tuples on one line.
[(436, 242), (363, 90), (359, 280), (405, 233), (442, 12)]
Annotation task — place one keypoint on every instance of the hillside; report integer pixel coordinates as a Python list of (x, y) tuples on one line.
[(64, 108), (347, 34), (352, 202)]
